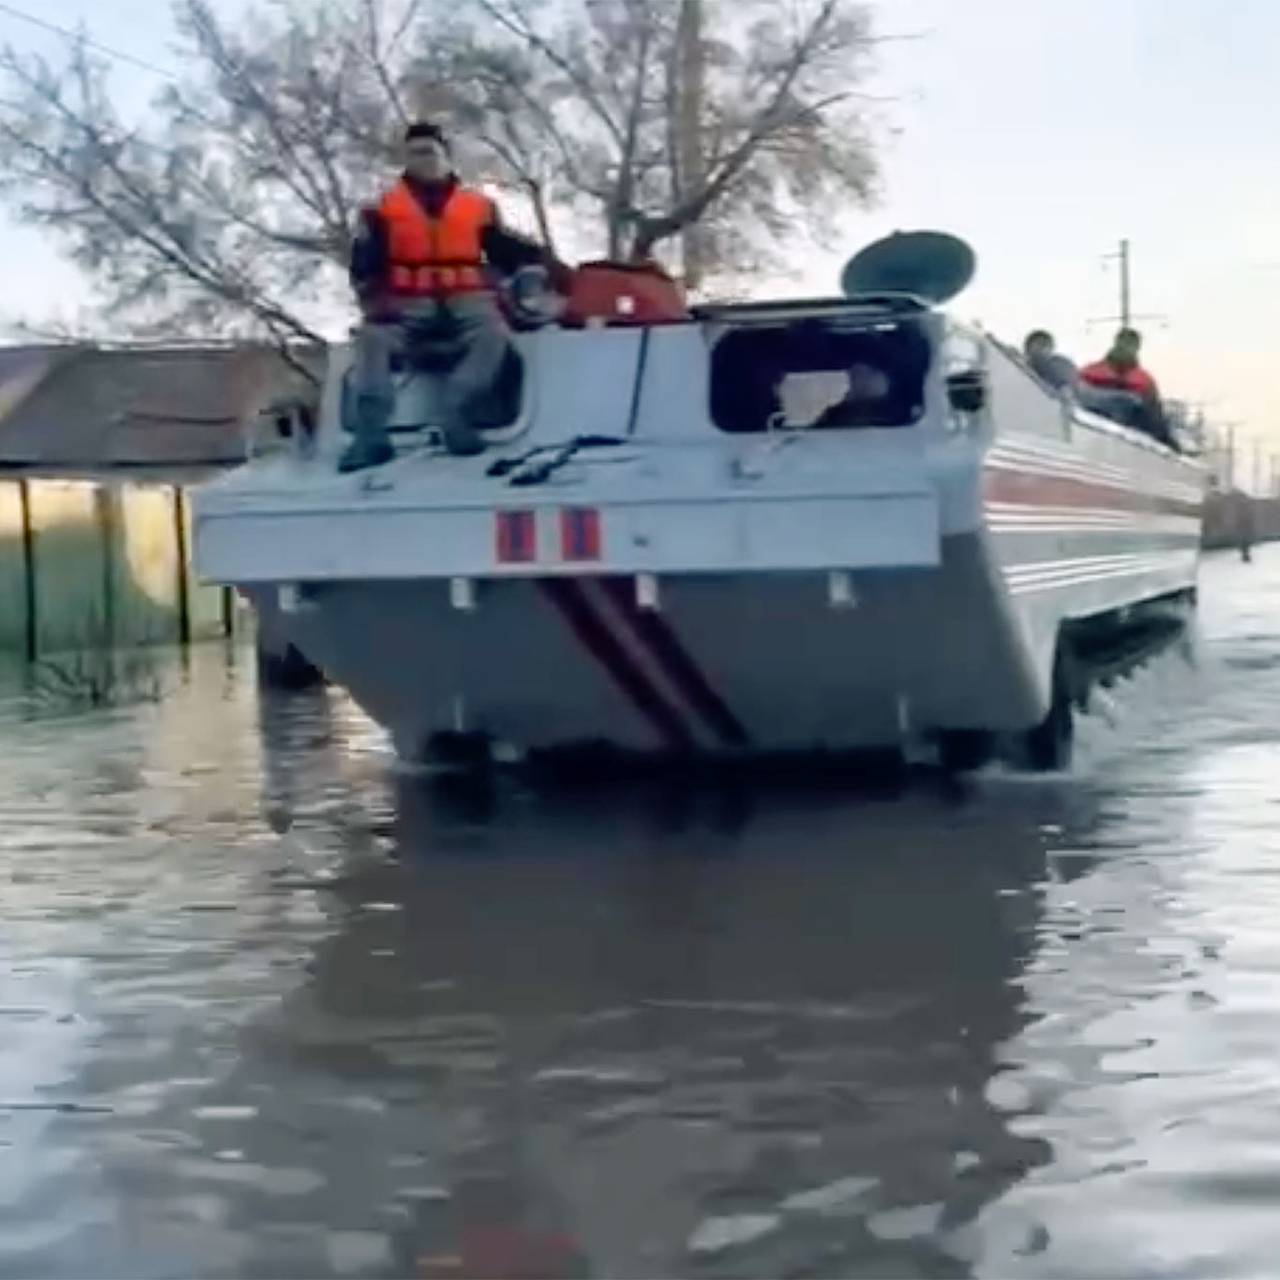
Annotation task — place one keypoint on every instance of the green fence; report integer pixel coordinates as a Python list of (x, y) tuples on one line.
[(86, 564)]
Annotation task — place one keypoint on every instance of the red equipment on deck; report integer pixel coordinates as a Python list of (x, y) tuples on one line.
[(618, 293)]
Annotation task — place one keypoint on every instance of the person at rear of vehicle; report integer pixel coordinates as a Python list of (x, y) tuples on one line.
[(419, 260), (1120, 370), (1122, 382), (1038, 346), (865, 401), (1040, 353)]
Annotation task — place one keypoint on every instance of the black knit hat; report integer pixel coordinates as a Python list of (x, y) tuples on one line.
[(425, 129)]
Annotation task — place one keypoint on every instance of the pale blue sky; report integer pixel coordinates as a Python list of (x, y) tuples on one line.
[(1042, 131)]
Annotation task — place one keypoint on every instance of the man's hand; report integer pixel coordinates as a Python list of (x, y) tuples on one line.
[(559, 274)]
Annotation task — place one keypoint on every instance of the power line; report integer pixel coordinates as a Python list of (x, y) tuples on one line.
[(132, 138), (119, 55), (79, 38)]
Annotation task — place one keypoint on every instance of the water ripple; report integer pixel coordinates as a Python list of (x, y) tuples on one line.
[(271, 1005)]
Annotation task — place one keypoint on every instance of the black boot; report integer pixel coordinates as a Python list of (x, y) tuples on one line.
[(366, 451), (460, 438), (372, 446)]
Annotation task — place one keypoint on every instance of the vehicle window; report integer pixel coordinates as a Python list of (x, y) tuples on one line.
[(818, 373)]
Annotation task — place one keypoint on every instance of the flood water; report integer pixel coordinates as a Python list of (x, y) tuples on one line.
[(271, 1007)]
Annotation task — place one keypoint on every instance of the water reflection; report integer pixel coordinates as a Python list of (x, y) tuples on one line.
[(780, 1032), (304, 1014), (1148, 1061), (321, 1017)]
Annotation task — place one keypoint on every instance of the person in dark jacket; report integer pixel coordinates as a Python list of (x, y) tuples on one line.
[(1037, 346), (421, 261), (1041, 355)]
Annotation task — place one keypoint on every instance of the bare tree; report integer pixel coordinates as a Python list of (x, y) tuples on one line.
[(632, 112), (623, 123)]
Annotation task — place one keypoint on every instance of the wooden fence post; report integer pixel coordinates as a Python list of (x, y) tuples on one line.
[(104, 502), (184, 568), (29, 567)]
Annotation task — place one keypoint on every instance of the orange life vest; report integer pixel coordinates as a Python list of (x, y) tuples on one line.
[(430, 257)]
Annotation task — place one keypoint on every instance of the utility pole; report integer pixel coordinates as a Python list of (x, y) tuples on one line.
[(1231, 455), (1208, 440), (1124, 283), (1122, 257), (1126, 317)]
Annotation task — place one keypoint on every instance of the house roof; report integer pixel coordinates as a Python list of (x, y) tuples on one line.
[(22, 369), (92, 408)]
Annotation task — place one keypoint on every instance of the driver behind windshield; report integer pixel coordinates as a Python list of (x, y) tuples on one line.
[(419, 259), (865, 402)]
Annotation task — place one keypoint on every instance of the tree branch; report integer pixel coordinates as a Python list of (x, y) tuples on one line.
[(624, 187), (379, 65), (225, 210), (165, 249), (220, 57), (406, 21), (765, 122), (512, 156), (524, 30), (547, 123)]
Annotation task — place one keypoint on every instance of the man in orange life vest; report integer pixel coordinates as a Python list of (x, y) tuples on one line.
[(419, 258)]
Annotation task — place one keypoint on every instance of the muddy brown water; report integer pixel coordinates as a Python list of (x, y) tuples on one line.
[(270, 1006)]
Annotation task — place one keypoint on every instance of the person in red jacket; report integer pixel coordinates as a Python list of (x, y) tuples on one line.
[(1119, 369), (1120, 387), (420, 258)]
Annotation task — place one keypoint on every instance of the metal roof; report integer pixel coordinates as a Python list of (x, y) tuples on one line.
[(22, 369), (89, 407)]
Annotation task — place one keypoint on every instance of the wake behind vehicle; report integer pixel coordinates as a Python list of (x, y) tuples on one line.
[(771, 527)]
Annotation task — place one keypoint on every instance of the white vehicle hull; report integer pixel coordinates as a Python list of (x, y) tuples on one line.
[(696, 591)]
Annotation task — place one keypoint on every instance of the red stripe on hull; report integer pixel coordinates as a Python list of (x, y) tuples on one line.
[(515, 537), (580, 533), (665, 647), (1032, 489), (569, 601)]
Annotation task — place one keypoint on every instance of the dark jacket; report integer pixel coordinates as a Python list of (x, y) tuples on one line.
[(504, 250)]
